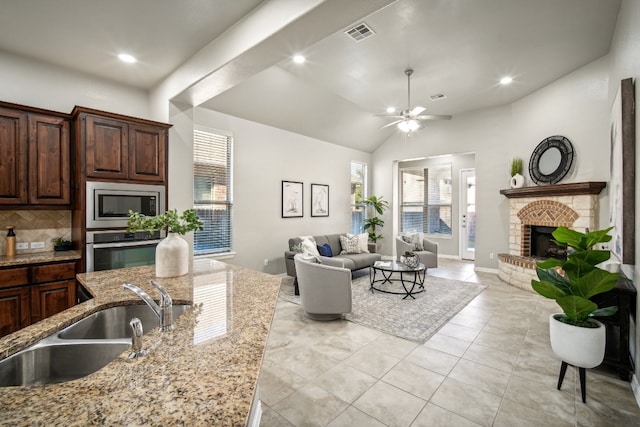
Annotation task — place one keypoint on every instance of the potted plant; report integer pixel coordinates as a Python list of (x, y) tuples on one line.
[(172, 253), (371, 223), (576, 337), (61, 244), (517, 180)]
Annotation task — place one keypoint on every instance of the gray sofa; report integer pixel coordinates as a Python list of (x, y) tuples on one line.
[(351, 261)]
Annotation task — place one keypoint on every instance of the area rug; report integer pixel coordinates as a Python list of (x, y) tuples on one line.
[(413, 319)]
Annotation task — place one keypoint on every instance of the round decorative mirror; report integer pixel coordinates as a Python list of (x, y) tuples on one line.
[(551, 160)]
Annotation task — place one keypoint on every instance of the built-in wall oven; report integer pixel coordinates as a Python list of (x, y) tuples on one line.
[(108, 250), (109, 203)]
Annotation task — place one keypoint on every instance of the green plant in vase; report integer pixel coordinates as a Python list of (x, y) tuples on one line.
[(373, 223), (61, 244), (172, 253)]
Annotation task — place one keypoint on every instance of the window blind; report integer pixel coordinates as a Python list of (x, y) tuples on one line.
[(358, 193), (425, 200), (212, 190)]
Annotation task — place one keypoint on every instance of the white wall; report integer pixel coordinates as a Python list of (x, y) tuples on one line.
[(575, 106), (263, 157), (36, 84), (625, 63)]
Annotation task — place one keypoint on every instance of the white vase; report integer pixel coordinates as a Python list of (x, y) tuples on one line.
[(581, 347), (517, 181), (172, 256)]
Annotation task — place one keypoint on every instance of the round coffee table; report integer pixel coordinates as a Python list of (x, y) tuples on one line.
[(412, 285)]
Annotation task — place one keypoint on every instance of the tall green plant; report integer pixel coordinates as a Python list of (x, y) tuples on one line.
[(372, 223), (170, 221), (573, 282)]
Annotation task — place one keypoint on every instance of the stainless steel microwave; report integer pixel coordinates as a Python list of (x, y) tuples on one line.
[(108, 203)]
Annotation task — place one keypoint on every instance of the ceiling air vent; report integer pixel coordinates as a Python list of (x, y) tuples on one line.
[(360, 32), (437, 96)]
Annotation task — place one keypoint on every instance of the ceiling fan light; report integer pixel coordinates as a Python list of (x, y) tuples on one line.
[(404, 126), (413, 125)]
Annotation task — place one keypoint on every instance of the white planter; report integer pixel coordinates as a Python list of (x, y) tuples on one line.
[(172, 256), (517, 181), (581, 347)]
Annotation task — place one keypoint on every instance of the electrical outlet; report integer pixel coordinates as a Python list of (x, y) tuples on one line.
[(37, 245), (22, 245), (491, 255), (266, 262)]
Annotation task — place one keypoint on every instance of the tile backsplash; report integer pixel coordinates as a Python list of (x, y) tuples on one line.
[(35, 226)]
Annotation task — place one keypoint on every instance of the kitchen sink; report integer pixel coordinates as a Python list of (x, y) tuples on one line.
[(50, 363), (113, 322)]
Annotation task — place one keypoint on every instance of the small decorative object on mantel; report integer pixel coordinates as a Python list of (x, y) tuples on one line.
[(61, 244), (172, 253), (576, 338), (410, 259), (517, 180)]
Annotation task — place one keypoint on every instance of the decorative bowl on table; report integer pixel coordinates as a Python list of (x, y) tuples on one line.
[(410, 259)]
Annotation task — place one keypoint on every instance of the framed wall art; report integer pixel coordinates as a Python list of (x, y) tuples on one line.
[(292, 199), (622, 167), (319, 200)]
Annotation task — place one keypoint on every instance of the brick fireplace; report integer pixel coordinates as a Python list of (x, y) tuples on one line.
[(571, 205)]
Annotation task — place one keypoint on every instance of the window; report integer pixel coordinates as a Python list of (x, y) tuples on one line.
[(358, 193), (212, 195), (426, 208)]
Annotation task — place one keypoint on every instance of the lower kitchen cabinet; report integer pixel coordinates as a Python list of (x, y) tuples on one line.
[(15, 310), (30, 294)]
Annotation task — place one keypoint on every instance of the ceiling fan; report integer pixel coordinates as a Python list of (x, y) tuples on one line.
[(409, 120)]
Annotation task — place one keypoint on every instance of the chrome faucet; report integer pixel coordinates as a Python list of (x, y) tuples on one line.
[(163, 311)]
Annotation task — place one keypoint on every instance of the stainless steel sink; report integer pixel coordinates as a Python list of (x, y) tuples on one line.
[(51, 363), (113, 322)]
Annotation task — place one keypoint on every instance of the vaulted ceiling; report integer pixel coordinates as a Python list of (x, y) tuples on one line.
[(459, 48)]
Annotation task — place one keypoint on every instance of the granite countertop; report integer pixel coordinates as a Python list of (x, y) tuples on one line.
[(203, 373), (38, 258)]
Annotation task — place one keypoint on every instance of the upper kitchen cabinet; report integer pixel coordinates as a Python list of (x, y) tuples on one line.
[(34, 157), (119, 148)]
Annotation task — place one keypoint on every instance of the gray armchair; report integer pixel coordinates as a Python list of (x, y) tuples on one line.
[(429, 257), (325, 290)]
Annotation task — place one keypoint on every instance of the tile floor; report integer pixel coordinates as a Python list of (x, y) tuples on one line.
[(491, 365)]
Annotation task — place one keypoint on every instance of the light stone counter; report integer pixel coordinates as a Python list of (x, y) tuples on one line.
[(38, 258), (203, 373)]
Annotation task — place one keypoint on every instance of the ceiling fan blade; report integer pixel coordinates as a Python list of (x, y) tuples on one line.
[(391, 124), (433, 117), (394, 116), (416, 111)]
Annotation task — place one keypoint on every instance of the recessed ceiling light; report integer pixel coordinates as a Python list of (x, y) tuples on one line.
[(299, 59), (391, 109), (125, 57), (506, 80)]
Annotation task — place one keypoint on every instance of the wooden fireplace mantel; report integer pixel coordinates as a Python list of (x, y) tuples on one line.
[(572, 189)]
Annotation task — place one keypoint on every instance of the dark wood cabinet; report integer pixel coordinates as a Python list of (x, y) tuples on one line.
[(35, 157), (123, 150), (51, 298), (617, 354), (13, 157), (30, 294), (15, 311), (49, 161)]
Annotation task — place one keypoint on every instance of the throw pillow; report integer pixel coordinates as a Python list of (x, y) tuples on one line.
[(350, 245), (414, 240), (309, 244), (363, 240), (325, 250)]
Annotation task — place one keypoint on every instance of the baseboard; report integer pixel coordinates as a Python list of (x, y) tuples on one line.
[(486, 270), (635, 387)]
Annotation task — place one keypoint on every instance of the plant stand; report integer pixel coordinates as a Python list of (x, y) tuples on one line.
[(583, 379)]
